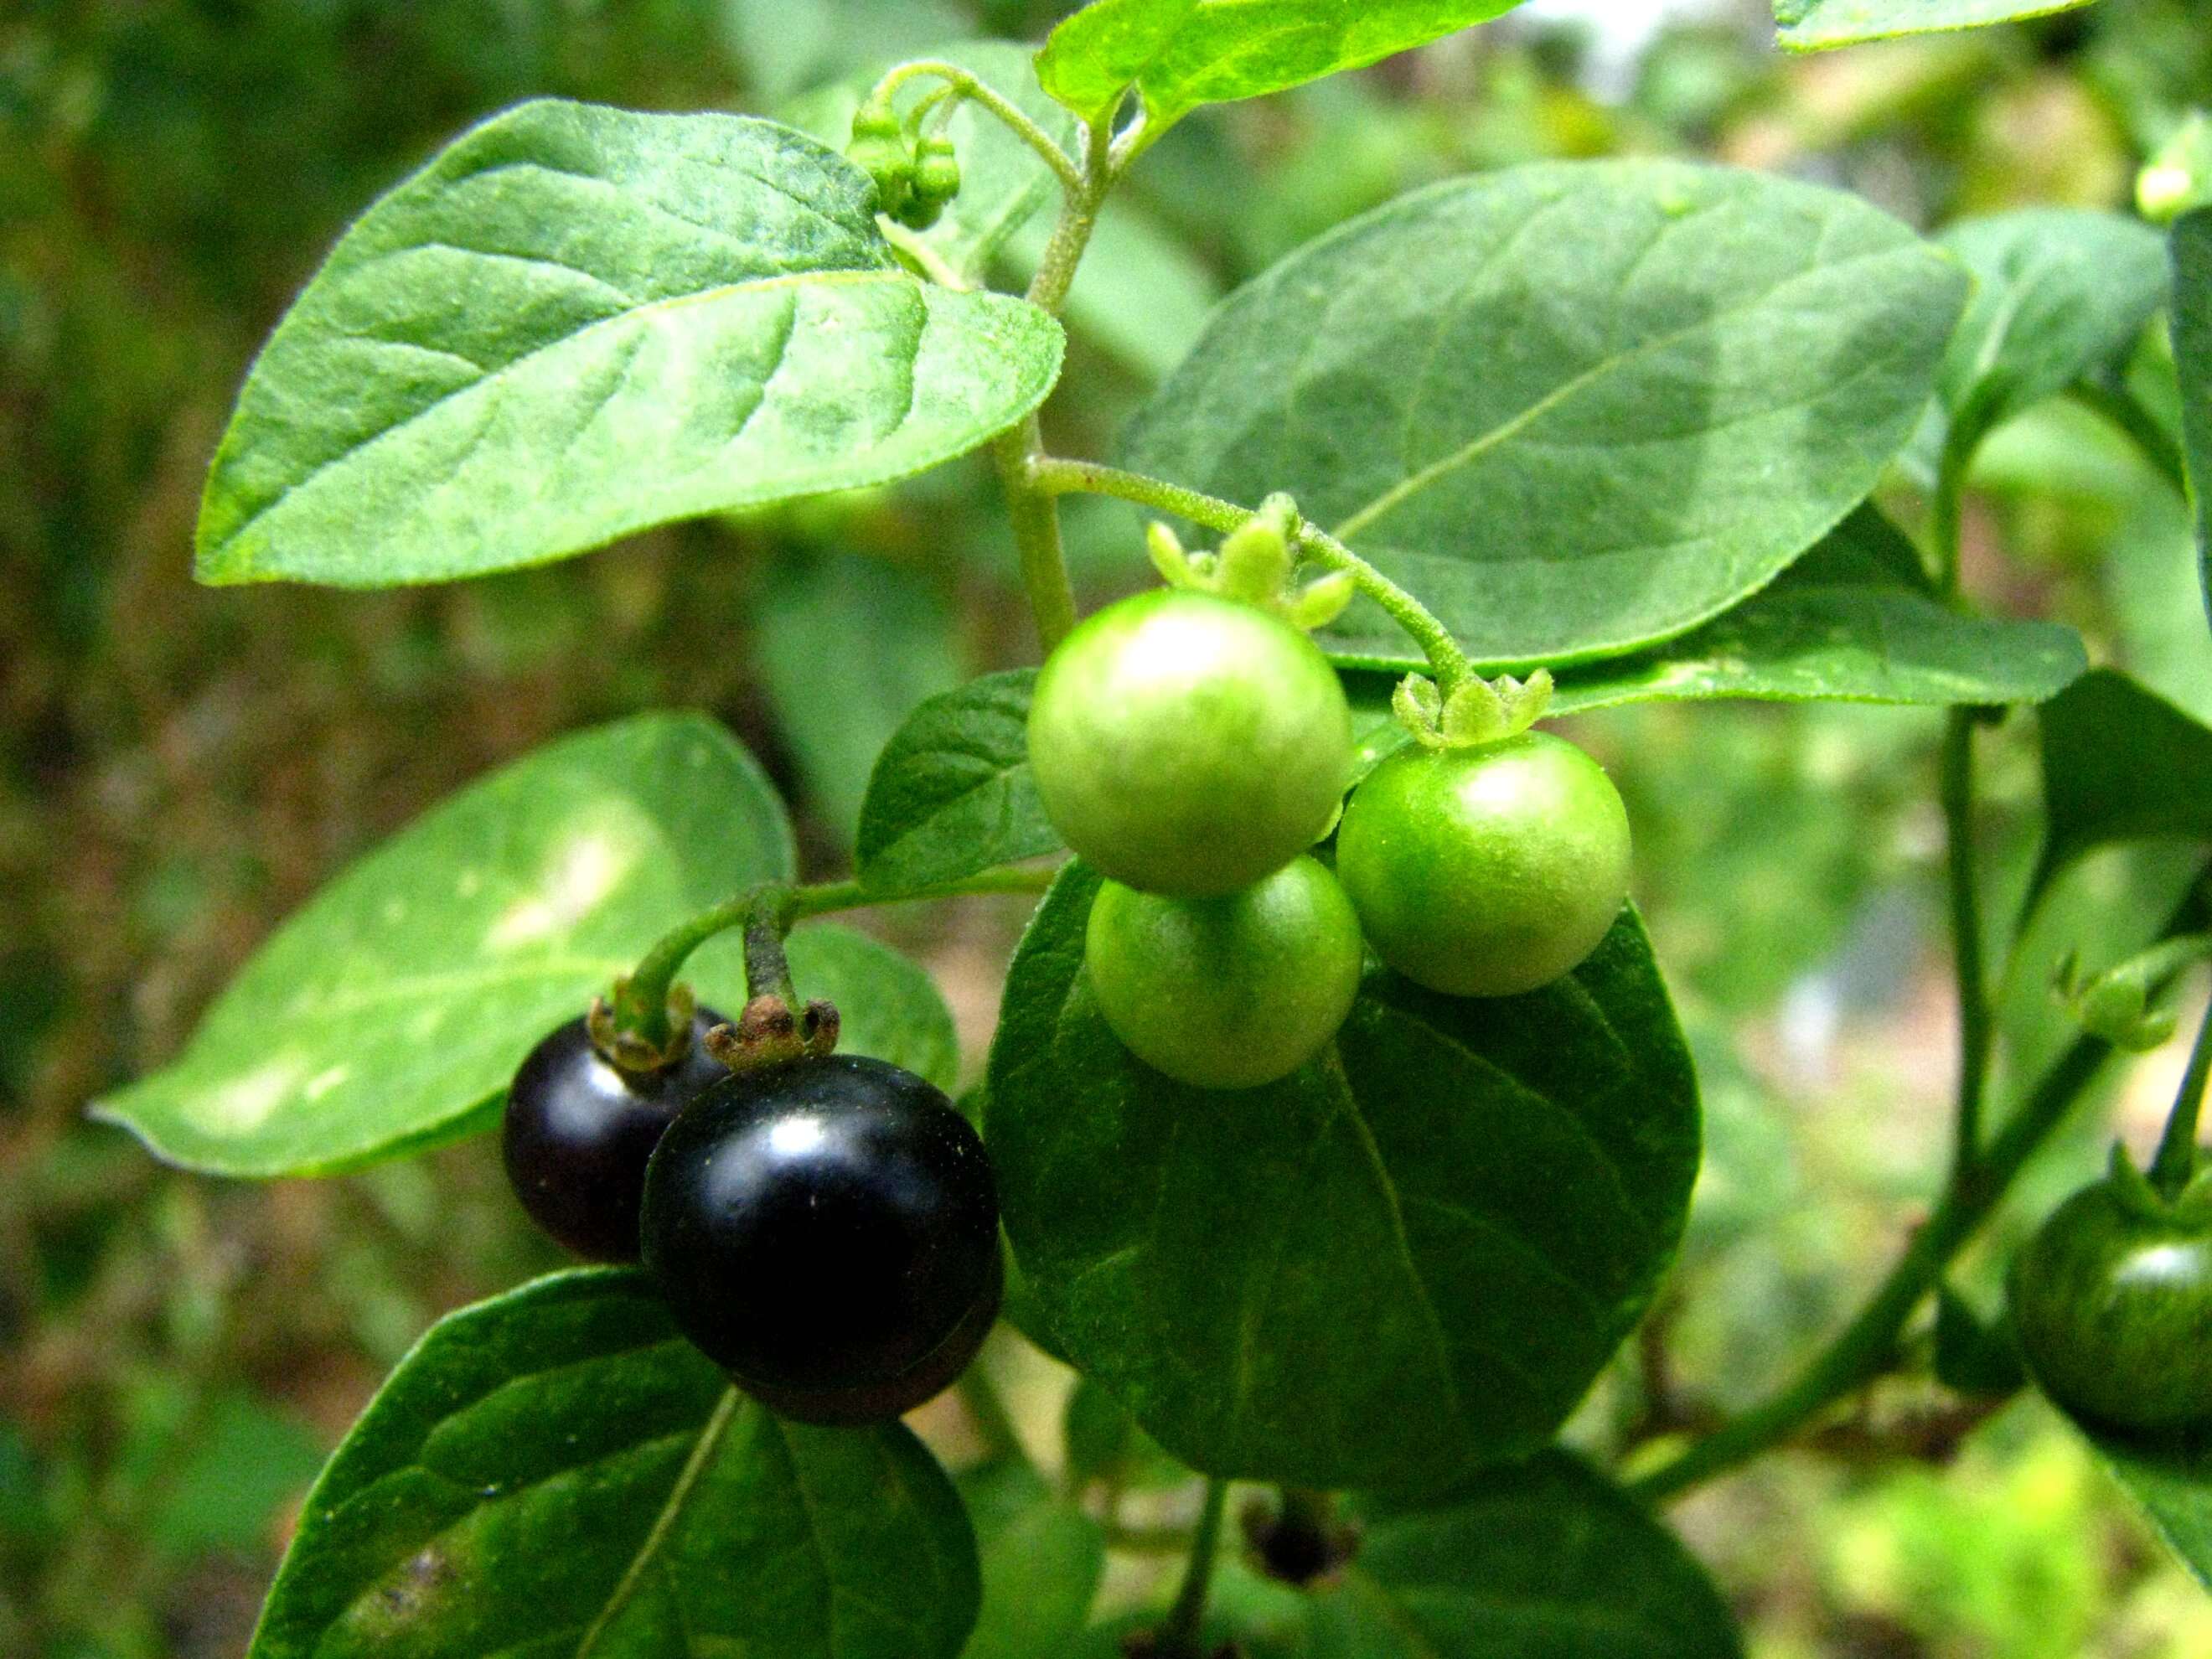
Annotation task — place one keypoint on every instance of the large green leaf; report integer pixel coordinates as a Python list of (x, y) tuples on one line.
[(1577, 408), (2173, 1487), (577, 322), (1851, 621), (2058, 292), (556, 1472), (1412, 1255), (1182, 53), (404, 995), (2120, 763), (952, 793), (1542, 1560), (2192, 358), (1810, 25), (1004, 185)]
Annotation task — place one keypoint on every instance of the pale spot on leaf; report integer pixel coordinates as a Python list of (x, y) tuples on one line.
[(583, 868), (244, 1103)]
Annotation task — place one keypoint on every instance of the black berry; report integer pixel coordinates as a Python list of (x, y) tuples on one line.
[(827, 1230), (578, 1129)]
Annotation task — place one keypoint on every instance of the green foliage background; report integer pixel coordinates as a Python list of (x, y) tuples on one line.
[(179, 768)]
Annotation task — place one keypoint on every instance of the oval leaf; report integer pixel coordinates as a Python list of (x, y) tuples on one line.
[(1182, 53), (1849, 622), (1544, 1557), (2120, 763), (2058, 292), (1577, 408), (578, 322), (1412, 1256), (1812, 25), (409, 989), (556, 1472), (952, 793), (1042, 1558)]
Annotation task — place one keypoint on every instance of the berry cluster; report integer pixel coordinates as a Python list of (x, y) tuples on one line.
[(825, 1228), (1193, 746)]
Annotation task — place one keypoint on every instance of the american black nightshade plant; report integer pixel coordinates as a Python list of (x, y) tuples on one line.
[(1407, 1138)]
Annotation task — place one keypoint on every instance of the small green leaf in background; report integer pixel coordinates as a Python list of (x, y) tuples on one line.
[(1545, 1558), (1974, 1355), (403, 996), (578, 322), (2058, 292), (1811, 25), (1043, 1559), (848, 645), (2172, 1487), (952, 793), (1576, 409), (2119, 763), (2192, 357), (1412, 1255), (556, 1471), (1182, 53), (1004, 185)]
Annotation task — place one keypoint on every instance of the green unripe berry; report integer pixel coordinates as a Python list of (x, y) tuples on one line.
[(1485, 872), (1226, 993)]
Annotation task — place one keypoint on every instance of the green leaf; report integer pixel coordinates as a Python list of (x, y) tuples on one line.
[(406, 993), (1576, 408), (1042, 1558), (1179, 54), (1412, 1255), (1545, 1558), (2173, 1489), (1846, 623), (578, 322), (2058, 292), (1004, 185), (848, 645), (952, 793), (2119, 763), (2192, 357), (555, 1472), (1814, 25)]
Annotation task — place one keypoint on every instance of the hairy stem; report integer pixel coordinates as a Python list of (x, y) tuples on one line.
[(1034, 512), (976, 92), (1975, 1023), (986, 1411), (1061, 477), (2176, 1161), (1179, 1637), (641, 1002)]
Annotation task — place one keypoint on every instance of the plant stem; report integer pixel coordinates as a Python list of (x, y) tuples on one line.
[(641, 1000), (1868, 1345), (2176, 1160), (1975, 1022), (1947, 508), (1035, 512), (1180, 1639), (1060, 476), (986, 1411), (969, 87), (2112, 400)]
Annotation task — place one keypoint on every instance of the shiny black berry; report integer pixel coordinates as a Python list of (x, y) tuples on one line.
[(579, 1130), (827, 1230)]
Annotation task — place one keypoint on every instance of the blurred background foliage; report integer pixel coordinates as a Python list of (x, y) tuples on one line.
[(179, 769)]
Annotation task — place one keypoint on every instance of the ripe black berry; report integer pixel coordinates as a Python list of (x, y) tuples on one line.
[(827, 1230), (579, 1130)]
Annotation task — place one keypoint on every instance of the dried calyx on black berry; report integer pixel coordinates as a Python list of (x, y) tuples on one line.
[(579, 1128), (826, 1229)]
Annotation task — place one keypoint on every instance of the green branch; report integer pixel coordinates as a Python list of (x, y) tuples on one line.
[(1975, 1018), (2172, 1169), (967, 86), (1449, 663), (1180, 1638)]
